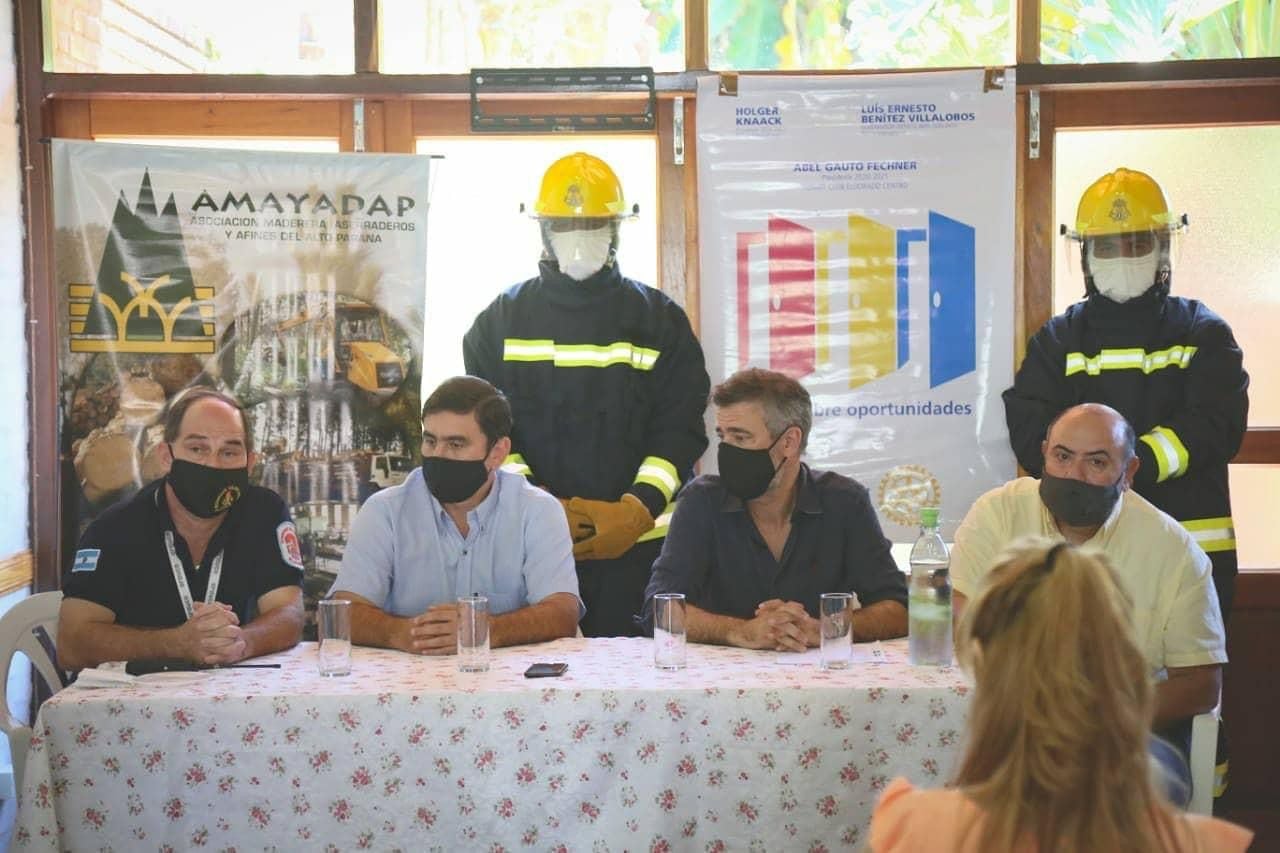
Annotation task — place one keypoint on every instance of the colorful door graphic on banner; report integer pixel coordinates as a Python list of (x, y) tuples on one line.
[(857, 235), (877, 325)]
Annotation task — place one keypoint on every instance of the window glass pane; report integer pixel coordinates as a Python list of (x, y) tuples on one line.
[(226, 37), (1227, 179), (1154, 30), (451, 37), (1224, 260), (830, 34), (1253, 494), (479, 244)]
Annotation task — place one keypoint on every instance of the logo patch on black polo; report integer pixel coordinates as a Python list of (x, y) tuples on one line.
[(290, 546)]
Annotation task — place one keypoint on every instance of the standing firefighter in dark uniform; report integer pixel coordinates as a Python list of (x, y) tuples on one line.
[(607, 384), (1168, 364)]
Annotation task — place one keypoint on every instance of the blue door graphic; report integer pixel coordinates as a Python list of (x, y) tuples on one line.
[(951, 299)]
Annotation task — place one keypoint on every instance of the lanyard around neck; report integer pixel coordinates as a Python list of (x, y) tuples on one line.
[(180, 576)]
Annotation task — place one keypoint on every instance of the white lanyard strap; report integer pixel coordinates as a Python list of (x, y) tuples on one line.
[(180, 576)]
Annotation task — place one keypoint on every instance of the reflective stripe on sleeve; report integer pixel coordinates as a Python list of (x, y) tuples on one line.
[(579, 355), (1178, 355), (659, 473), (1171, 454), (660, 525), (1212, 534), (516, 465)]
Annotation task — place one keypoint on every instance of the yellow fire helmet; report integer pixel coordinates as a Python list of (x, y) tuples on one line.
[(1121, 202), (580, 186)]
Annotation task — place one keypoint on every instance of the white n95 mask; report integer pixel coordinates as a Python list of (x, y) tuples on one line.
[(1122, 279), (581, 254)]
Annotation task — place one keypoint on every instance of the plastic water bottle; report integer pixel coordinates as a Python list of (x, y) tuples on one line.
[(929, 598)]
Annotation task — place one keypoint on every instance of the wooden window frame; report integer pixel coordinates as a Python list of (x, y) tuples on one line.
[(399, 108)]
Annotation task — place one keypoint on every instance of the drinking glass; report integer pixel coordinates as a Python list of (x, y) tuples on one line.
[(836, 623)]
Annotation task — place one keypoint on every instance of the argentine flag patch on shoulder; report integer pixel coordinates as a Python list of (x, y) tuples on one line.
[(86, 560)]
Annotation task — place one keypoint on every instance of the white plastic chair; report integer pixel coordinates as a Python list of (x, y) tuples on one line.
[(30, 627), (1204, 757)]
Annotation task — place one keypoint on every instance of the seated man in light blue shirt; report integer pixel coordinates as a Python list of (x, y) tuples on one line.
[(459, 525)]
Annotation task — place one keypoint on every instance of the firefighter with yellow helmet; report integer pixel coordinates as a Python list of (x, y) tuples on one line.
[(607, 384), (1170, 365)]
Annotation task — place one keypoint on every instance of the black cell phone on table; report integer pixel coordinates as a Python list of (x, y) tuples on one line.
[(546, 670)]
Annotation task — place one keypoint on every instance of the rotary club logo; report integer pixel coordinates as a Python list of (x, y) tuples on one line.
[(904, 490)]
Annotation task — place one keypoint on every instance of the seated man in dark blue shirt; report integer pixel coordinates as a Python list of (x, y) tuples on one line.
[(753, 548), (198, 566)]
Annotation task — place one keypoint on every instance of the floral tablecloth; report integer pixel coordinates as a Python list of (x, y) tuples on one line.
[(736, 752)]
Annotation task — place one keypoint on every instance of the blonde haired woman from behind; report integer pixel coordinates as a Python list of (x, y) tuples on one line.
[(1056, 756)]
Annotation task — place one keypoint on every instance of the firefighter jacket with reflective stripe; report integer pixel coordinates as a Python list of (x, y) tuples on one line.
[(606, 381), (1172, 367)]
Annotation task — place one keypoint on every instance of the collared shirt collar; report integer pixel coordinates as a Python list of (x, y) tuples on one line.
[(160, 502), (808, 500)]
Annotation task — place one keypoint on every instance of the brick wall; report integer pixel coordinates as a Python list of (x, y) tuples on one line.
[(118, 36)]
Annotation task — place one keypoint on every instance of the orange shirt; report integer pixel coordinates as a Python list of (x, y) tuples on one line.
[(907, 820)]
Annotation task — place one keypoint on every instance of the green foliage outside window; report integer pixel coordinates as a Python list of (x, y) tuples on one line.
[(1153, 30), (833, 34), (452, 36)]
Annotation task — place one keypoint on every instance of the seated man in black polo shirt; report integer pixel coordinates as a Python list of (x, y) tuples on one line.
[(753, 548), (198, 566)]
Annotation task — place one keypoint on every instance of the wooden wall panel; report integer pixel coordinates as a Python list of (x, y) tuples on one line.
[(1251, 699), (692, 268), (1037, 230), (309, 119), (72, 119), (672, 271), (1261, 446), (398, 122), (15, 572), (1184, 107)]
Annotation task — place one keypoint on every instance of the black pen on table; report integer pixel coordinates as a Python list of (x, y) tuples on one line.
[(249, 666)]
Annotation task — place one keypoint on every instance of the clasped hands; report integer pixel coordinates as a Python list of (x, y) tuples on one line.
[(781, 625), (432, 632), (212, 635)]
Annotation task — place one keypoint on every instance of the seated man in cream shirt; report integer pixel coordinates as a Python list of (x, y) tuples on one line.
[(1085, 499)]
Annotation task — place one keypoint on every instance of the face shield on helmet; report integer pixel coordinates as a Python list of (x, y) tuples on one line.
[(1126, 232), (579, 207)]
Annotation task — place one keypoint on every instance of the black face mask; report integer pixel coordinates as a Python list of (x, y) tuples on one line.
[(453, 480), (1077, 503), (746, 473), (206, 491)]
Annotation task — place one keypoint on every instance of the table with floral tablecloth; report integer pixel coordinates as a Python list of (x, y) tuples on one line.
[(735, 752)]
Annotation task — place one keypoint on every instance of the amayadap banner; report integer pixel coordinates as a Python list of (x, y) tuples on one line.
[(857, 234), (293, 281)]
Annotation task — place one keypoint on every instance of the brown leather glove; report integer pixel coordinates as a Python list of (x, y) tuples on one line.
[(618, 524), (580, 526)]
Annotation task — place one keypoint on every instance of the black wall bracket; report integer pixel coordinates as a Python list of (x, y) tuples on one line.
[(489, 85)]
